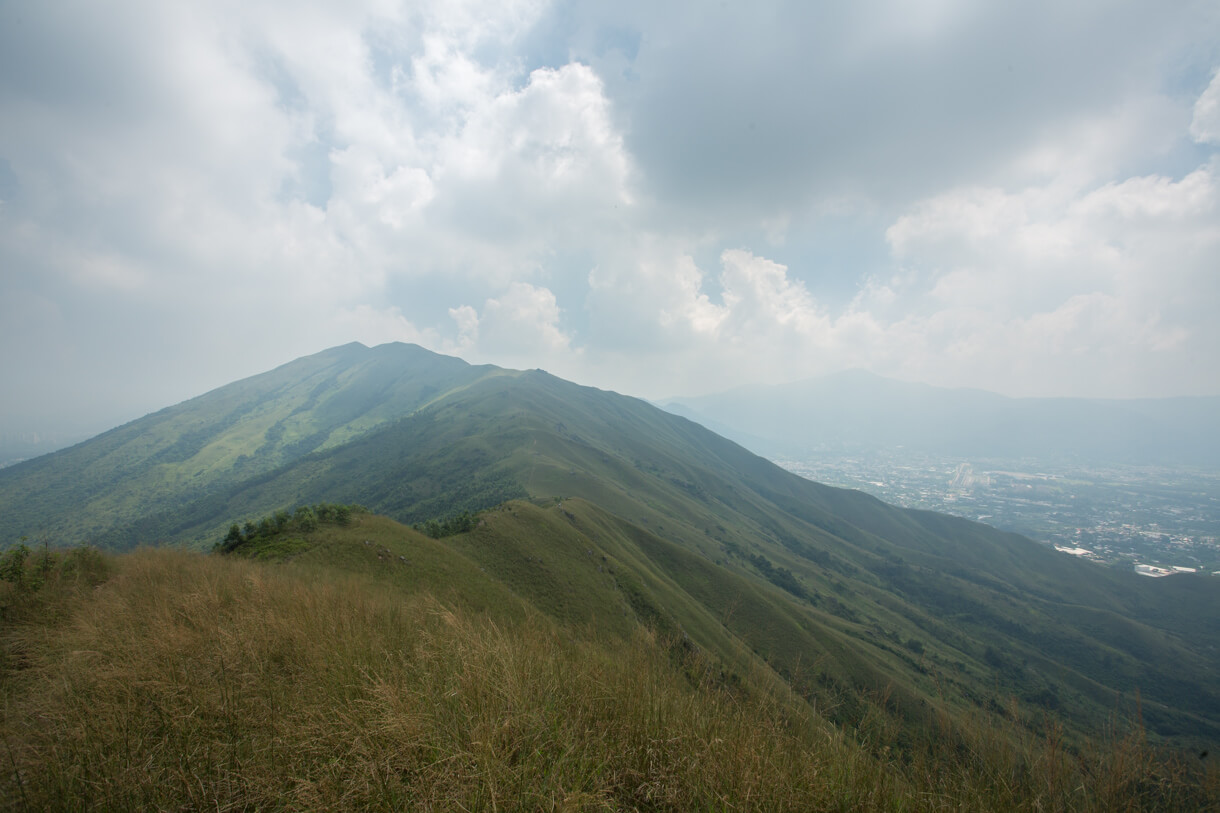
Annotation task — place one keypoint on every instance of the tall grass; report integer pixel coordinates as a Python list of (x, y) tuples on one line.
[(197, 682)]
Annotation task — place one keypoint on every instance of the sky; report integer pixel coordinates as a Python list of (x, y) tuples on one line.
[(657, 198)]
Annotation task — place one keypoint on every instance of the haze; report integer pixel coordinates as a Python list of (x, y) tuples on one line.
[(661, 199)]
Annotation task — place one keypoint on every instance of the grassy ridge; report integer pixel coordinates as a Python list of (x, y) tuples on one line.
[(860, 607), (199, 682)]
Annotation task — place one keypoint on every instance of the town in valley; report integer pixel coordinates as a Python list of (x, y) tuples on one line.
[(1158, 521)]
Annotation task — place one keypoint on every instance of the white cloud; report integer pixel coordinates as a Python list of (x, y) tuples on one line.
[(467, 320), (760, 297), (551, 144), (518, 328), (658, 320), (373, 326), (391, 195), (646, 296), (1107, 287), (1205, 125), (1115, 278), (1154, 197), (612, 192)]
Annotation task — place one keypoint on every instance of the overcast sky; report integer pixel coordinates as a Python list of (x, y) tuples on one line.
[(658, 198)]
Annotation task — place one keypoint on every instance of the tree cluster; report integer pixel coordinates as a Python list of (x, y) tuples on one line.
[(303, 519), (26, 574), (439, 528), (781, 577), (14, 570)]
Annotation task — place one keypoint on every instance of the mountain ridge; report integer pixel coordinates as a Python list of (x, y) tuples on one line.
[(737, 554)]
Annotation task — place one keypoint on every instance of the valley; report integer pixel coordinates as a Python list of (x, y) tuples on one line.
[(1120, 515)]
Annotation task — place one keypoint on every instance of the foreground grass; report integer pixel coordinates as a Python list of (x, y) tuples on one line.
[(183, 681)]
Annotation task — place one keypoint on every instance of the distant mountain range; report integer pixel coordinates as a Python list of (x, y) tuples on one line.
[(857, 411), (852, 603)]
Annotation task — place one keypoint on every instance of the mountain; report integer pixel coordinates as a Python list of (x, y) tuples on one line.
[(605, 513), (101, 489), (857, 411)]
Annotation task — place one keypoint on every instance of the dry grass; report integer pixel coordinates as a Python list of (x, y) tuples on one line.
[(190, 682)]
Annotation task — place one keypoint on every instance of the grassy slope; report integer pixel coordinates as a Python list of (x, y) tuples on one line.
[(990, 611), (337, 679), (878, 603), (846, 650)]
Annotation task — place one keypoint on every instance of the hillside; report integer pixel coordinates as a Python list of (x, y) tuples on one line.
[(857, 411), (98, 489), (607, 513), (355, 675)]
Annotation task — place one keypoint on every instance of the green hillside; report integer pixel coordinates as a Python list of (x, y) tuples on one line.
[(98, 490), (365, 666), (603, 513)]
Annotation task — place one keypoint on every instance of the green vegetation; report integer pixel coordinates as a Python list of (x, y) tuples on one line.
[(184, 681), (439, 528), (600, 515), (779, 576), (33, 586), (131, 485), (281, 524)]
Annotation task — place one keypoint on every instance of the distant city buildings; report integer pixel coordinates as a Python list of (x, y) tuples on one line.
[(1159, 521), (1157, 572)]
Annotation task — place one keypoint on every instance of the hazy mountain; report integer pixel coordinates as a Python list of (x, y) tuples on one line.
[(170, 458), (620, 513), (859, 411)]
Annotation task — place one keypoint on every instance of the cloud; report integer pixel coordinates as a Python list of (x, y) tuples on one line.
[(1154, 198), (467, 320), (533, 168), (646, 296), (683, 330), (760, 297), (372, 326), (520, 327), (1117, 277), (739, 111), (660, 198), (1108, 286), (1205, 124), (179, 161)]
